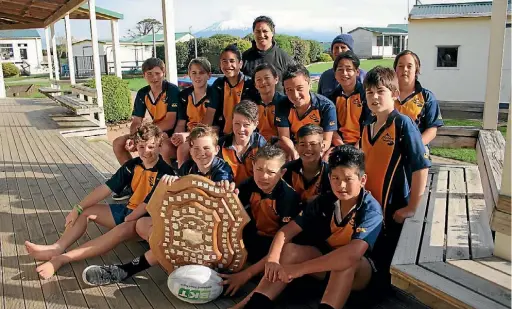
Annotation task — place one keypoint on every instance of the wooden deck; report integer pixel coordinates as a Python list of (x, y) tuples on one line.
[(41, 175)]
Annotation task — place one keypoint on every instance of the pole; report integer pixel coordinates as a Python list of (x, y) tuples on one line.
[(154, 42)]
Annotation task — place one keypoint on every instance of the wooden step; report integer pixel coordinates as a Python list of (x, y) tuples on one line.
[(80, 107)]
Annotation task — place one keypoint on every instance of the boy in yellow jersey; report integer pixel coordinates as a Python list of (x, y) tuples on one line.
[(308, 175), (271, 203), (230, 88), (198, 105), (417, 102), (302, 107), (142, 174), (239, 148), (344, 231), (396, 159), (265, 80), (351, 108), (160, 98)]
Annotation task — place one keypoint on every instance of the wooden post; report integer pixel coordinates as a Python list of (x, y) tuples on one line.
[(55, 54), (502, 245), (169, 41), (2, 84), (71, 62), (116, 47), (49, 51), (494, 64), (96, 60)]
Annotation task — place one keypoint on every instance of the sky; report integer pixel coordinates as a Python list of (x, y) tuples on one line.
[(287, 14)]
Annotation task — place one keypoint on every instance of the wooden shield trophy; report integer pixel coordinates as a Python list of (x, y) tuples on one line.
[(196, 222)]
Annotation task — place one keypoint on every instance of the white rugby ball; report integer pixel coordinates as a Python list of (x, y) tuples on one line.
[(195, 284)]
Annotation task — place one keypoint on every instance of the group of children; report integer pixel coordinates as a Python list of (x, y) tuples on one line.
[(327, 181)]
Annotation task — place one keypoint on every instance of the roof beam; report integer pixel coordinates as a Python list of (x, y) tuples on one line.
[(21, 26), (65, 9), (47, 5), (21, 19)]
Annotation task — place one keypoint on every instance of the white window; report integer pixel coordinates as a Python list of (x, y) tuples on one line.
[(6, 52), (447, 56)]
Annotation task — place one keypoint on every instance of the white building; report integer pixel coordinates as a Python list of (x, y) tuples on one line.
[(132, 53), (23, 48), (452, 41), (379, 42)]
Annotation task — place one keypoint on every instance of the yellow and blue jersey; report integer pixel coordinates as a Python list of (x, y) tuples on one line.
[(321, 112), (307, 189), (193, 110), (141, 180), (391, 156), (267, 114), (219, 170)]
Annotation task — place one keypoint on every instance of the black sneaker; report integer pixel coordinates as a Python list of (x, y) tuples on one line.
[(102, 275), (124, 195)]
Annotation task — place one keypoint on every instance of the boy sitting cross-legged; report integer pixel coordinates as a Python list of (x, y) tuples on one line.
[(142, 174), (308, 175), (204, 162), (239, 147), (345, 232)]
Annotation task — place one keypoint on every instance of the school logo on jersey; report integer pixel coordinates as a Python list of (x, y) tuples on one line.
[(287, 219), (357, 102), (331, 123), (239, 94), (388, 139), (314, 118), (360, 230), (174, 104), (417, 102), (151, 181)]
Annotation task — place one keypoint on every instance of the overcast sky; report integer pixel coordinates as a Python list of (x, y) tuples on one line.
[(289, 14)]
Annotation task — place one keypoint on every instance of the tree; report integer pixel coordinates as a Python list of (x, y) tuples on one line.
[(144, 27)]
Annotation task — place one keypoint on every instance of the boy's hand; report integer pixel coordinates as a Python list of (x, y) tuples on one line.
[(178, 139), (168, 179), (71, 218), (130, 145), (228, 186), (401, 214), (272, 270), (235, 281), (290, 272), (131, 217)]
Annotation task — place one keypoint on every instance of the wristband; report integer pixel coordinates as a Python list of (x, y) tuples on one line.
[(79, 209)]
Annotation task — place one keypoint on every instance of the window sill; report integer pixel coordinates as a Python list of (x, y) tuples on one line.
[(447, 68)]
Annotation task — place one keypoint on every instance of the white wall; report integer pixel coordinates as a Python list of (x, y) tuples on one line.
[(466, 82), (34, 50), (130, 55), (85, 48), (363, 40)]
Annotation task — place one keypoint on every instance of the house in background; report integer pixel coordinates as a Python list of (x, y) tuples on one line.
[(24, 49), (379, 42), (452, 41), (132, 53)]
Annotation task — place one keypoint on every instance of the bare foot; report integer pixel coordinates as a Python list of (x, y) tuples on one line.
[(242, 303), (48, 269), (42, 252)]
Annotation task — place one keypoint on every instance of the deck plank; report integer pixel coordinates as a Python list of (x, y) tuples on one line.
[(457, 241)]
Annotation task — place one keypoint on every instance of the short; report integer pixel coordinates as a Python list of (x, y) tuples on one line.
[(119, 212), (257, 245)]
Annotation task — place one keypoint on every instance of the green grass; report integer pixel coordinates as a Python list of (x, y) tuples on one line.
[(365, 65), (460, 154), (136, 83)]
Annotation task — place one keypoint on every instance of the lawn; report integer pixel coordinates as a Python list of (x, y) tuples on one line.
[(365, 65)]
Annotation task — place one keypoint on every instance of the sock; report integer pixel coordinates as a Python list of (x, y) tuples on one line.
[(259, 301), (138, 264), (325, 306)]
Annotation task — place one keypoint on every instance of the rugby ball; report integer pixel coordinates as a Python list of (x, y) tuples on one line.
[(195, 284)]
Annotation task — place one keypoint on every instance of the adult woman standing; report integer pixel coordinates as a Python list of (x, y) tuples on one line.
[(417, 102), (265, 50)]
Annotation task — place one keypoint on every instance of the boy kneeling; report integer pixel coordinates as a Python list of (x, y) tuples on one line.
[(346, 231)]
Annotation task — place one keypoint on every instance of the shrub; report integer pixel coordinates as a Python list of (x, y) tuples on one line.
[(116, 98), (325, 57), (10, 70), (315, 49)]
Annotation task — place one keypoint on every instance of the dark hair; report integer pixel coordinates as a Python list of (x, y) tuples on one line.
[(264, 19), (347, 55), (202, 62), (309, 129), (381, 76), (265, 66), (347, 156), (270, 152), (294, 70), (151, 63), (233, 49), (145, 132), (414, 56), (202, 130), (248, 109)]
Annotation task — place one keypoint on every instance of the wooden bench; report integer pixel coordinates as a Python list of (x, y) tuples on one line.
[(456, 137), (444, 255), (490, 151)]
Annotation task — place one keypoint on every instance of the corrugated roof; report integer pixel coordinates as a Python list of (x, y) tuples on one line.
[(159, 37), (399, 26), (387, 30), (452, 10), (109, 13), (19, 34)]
